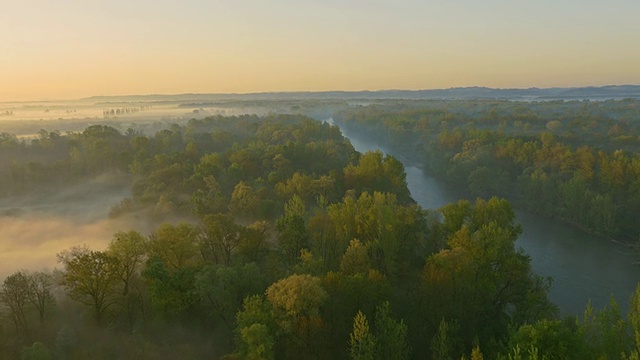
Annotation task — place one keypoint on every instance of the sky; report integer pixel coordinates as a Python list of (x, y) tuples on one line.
[(68, 49)]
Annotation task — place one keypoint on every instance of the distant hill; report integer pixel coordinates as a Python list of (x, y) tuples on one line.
[(578, 93)]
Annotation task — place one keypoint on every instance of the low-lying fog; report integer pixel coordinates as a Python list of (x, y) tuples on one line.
[(26, 119), (35, 228)]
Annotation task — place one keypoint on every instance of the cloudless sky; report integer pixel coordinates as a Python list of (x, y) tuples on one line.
[(75, 48)]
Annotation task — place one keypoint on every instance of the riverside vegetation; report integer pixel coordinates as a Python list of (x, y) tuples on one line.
[(276, 239)]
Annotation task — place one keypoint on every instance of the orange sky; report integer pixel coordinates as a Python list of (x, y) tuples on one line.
[(77, 48)]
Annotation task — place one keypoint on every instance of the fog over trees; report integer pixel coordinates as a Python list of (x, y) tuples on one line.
[(268, 236)]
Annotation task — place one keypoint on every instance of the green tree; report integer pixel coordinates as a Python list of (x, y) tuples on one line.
[(258, 342), (91, 277), (554, 339), (255, 329), (254, 245), (480, 279), (378, 172), (605, 332), (245, 202), (634, 320), (444, 343), (130, 249), (219, 238), (172, 291), (391, 335), (224, 288), (175, 245), (292, 231), (355, 259), (349, 294), (362, 343), (37, 351)]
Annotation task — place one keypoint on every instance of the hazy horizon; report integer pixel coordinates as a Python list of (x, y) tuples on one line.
[(76, 49), (168, 94)]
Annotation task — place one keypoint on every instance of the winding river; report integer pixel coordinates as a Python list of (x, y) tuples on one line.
[(582, 266)]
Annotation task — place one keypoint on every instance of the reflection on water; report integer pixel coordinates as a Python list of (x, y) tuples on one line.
[(582, 266)]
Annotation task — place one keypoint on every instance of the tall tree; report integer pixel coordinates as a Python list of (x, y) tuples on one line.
[(391, 335), (224, 288), (219, 238), (16, 295), (175, 245), (40, 285), (480, 279), (362, 343), (292, 231), (130, 249), (92, 278)]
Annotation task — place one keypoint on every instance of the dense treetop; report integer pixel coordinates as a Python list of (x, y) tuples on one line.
[(290, 244), (576, 161)]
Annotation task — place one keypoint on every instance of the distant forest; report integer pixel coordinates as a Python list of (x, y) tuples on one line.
[(277, 240), (575, 161)]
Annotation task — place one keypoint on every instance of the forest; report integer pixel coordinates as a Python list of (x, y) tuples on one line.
[(274, 239), (576, 161)]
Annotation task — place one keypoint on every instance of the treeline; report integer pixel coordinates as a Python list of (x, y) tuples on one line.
[(576, 161), (52, 159), (295, 246), (106, 113), (251, 167)]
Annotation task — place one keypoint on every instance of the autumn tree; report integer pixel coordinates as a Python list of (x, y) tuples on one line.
[(296, 302), (362, 343)]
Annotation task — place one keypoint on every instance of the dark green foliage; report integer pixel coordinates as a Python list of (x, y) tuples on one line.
[(223, 288), (479, 279), (554, 339), (172, 291), (566, 160), (391, 335), (37, 351), (296, 246)]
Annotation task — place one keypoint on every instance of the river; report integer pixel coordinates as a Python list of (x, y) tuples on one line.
[(582, 266)]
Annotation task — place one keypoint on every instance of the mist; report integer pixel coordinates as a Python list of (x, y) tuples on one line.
[(35, 228)]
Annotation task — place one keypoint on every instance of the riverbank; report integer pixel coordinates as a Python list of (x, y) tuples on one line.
[(417, 158), (583, 267)]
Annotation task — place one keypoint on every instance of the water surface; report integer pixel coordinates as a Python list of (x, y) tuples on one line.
[(582, 266)]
